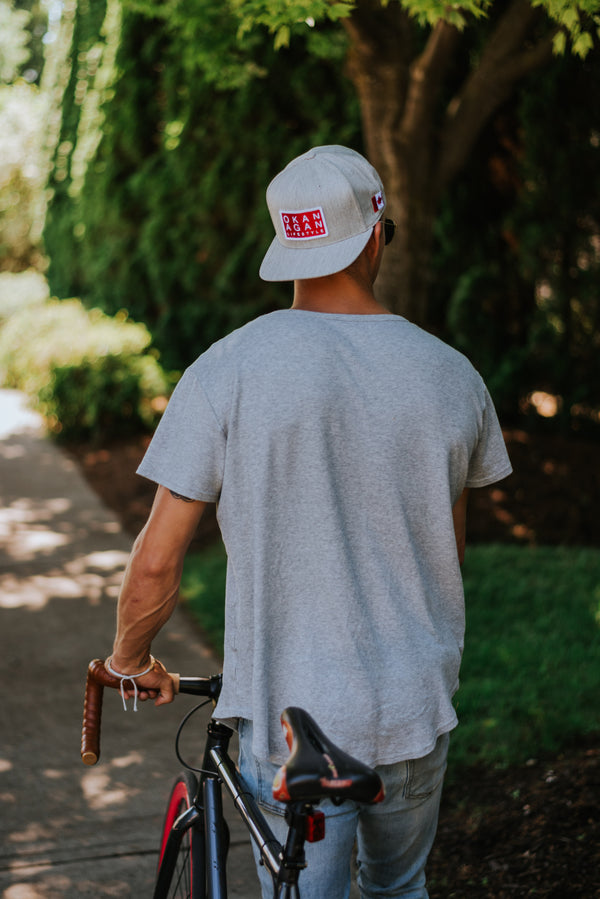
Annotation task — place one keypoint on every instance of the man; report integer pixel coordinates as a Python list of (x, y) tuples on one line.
[(339, 442)]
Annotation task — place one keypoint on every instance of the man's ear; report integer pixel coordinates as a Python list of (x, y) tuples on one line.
[(376, 239), (375, 246)]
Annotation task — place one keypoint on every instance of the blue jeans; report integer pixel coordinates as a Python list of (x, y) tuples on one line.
[(393, 838)]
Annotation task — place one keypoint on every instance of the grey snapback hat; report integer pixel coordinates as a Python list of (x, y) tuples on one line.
[(323, 206)]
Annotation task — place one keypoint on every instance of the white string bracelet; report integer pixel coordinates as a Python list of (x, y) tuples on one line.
[(130, 677)]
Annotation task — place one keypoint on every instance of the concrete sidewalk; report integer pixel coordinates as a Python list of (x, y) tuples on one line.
[(69, 831)]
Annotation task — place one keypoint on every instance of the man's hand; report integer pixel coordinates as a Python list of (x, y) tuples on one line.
[(156, 684)]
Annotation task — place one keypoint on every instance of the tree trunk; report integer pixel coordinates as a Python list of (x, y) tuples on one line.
[(418, 147), (397, 91), (405, 276)]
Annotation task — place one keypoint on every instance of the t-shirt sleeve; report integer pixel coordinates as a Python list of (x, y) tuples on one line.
[(187, 451), (489, 461)]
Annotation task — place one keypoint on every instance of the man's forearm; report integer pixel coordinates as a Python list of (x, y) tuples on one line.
[(152, 577), (146, 602)]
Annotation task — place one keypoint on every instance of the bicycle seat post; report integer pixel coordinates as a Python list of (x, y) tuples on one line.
[(293, 857)]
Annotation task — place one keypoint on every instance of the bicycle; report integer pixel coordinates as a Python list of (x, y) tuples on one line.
[(195, 836)]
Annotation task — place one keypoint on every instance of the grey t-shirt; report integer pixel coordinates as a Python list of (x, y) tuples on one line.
[(335, 446)]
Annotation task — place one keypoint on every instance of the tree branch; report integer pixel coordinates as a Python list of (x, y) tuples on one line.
[(381, 46), (377, 30), (505, 60), (426, 76)]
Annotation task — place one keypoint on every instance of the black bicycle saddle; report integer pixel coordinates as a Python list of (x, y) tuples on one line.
[(317, 769)]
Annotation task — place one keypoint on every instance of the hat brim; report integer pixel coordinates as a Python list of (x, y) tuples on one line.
[(294, 263)]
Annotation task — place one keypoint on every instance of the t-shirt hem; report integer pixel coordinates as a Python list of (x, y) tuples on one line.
[(395, 758), (232, 719), (199, 495), (489, 479)]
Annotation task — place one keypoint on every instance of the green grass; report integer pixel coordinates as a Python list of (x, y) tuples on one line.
[(530, 678), (203, 589)]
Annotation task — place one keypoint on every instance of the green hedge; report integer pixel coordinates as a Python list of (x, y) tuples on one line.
[(93, 377), (20, 290), (157, 185)]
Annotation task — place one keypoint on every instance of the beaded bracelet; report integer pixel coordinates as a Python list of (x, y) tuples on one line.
[(130, 677)]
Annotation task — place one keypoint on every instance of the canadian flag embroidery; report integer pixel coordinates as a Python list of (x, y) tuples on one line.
[(377, 201), (304, 224)]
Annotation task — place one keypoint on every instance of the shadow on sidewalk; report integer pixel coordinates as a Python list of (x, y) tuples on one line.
[(68, 831)]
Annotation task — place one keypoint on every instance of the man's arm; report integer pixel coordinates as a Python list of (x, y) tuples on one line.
[(459, 515), (151, 587)]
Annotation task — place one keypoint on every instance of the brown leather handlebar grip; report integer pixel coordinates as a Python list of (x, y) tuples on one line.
[(97, 679)]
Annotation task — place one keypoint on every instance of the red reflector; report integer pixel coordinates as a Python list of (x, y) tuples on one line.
[(315, 827), (380, 796)]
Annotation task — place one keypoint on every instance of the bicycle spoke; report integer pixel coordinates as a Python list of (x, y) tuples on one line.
[(181, 886), (179, 875)]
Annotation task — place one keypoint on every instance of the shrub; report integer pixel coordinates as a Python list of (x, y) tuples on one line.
[(156, 188), (91, 376), (18, 290), (23, 172)]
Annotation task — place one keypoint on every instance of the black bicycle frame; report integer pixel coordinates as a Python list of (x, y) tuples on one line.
[(206, 817)]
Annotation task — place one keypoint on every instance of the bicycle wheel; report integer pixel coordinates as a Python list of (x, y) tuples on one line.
[(180, 866)]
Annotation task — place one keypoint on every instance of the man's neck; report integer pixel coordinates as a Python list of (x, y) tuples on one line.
[(336, 294)]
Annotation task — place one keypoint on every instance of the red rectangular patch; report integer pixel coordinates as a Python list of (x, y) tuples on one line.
[(304, 224), (377, 201)]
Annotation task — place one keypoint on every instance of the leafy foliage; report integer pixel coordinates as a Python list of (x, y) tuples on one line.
[(576, 21), (557, 220), (103, 397), (22, 175), (164, 213), (175, 117), (100, 385), (517, 260), (18, 291), (23, 166), (283, 18), (14, 40)]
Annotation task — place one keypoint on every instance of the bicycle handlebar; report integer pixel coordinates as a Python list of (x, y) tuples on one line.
[(98, 678), (359, 782), (92, 713)]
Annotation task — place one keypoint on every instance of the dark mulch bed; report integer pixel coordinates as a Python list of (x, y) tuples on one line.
[(550, 498), (526, 831), (532, 830)]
